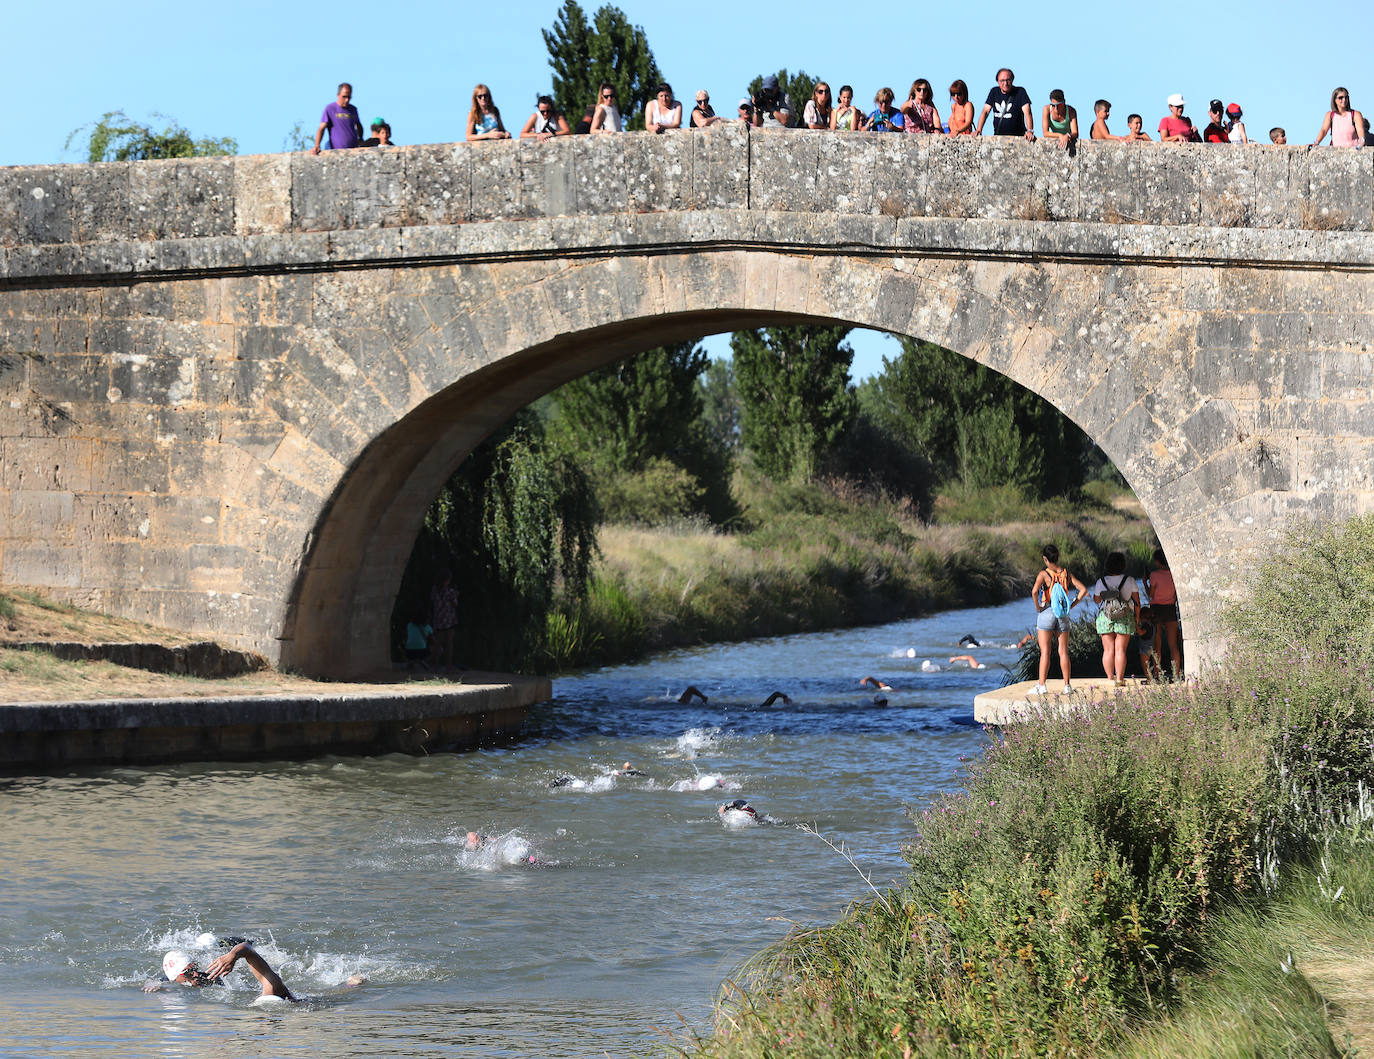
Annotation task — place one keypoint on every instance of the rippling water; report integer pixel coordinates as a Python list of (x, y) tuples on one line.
[(639, 904)]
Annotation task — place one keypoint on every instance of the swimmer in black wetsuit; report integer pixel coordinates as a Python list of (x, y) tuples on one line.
[(628, 770), (776, 696), (181, 969), (874, 682), (691, 692), (968, 641)]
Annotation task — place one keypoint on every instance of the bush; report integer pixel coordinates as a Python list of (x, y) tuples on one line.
[(660, 493)]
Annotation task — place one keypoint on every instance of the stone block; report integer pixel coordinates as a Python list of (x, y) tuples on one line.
[(783, 168), (659, 172), (1126, 183), (599, 173), (720, 167), (1334, 188), (128, 467), (499, 187), (845, 168), (321, 197), (262, 194), (438, 181), (41, 566), (100, 204), (181, 199), (1248, 187), (36, 206), (75, 379)]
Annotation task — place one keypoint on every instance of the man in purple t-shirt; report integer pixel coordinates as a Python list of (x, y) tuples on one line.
[(341, 119)]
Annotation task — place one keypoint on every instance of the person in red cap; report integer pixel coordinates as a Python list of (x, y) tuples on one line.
[(1235, 128)]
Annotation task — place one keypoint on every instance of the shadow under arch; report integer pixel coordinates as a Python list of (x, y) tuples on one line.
[(339, 612)]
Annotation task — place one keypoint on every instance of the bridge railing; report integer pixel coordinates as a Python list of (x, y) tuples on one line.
[(730, 168)]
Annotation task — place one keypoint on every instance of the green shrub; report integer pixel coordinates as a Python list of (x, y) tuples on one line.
[(658, 494), (6, 606)]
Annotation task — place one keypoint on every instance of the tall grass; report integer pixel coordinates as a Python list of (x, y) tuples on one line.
[(1132, 881), (809, 557)]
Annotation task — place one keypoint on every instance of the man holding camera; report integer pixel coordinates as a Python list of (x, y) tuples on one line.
[(772, 106)]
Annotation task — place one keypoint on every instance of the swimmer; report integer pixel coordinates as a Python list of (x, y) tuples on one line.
[(774, 698), (1028, 638), (746, 812), (692, 691), (627, 770), (561, 781), (180, 968), (874, 682), (475, 841), (880, 699), (927, 666), (968, 641), (972, 662)]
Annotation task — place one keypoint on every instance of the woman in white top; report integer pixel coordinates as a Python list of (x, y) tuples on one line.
[(1116, 631), (663, 112), (846, 117), (607, 116)]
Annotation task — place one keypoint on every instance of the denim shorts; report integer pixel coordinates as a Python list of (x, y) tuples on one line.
[(1046, 621)]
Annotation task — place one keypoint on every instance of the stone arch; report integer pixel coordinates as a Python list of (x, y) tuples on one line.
[(502, 334)]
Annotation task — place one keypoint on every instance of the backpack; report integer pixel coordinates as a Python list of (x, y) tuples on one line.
[(1116, 606), (1059, 601)]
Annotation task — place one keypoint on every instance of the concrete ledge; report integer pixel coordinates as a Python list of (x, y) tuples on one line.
[(1014, 703), (43, 736)]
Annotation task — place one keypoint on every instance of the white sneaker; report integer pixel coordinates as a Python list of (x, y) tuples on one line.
[(1039, 689), (1068, 689)]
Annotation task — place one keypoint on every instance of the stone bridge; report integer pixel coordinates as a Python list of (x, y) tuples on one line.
[(232, 386)]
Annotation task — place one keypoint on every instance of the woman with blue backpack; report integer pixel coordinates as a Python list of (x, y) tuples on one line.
[(1050, 594), (1118, 601)]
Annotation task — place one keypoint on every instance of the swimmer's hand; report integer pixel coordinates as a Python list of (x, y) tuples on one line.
[(222, 965), (153, 987)]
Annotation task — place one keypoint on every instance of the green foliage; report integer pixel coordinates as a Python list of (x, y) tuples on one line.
[(799, 88), (301, 137), (516, 524), (6, 606), (118, 138), (1312, 597), (975, 426), (637, 427), (608, 48), (795, 397), (720, 403)]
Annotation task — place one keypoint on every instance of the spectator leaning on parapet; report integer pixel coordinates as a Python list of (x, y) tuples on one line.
[(746, 112), (606, 117), (960, 110), (1102, 110), (484, 119), (772, 106), (1278, 136), (703, 117), (1347, 127), (1136, 133), (817, 112), (884, 117), (1235, 128), (846, 117), (1010, 107), (341, 119), (663, 113), (1216, 124), (918, 112), (1059, 121), (545, 123), (1174, 127)]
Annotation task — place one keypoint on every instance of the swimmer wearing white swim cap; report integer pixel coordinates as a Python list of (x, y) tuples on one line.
[(181, 969)]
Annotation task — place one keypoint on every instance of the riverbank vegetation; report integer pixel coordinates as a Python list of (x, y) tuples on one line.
[(670, 500), (1181, 871)]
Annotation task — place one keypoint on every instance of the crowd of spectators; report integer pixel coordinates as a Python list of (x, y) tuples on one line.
[(1008, 105)]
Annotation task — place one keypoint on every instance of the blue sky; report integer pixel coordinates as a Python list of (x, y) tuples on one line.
[(253, 70)]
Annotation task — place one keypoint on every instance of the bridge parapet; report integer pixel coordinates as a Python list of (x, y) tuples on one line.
[(120, 206)]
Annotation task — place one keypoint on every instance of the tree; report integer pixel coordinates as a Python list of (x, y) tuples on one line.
[(517, 526), (720, 403), (798, 88), (118, 138), (975, 425), (641, 418), (609, 49), (795, 397)]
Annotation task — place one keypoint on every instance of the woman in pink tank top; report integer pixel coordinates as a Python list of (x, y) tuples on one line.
[(1347, 127)]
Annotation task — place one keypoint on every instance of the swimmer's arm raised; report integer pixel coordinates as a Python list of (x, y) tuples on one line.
[(272, 984)]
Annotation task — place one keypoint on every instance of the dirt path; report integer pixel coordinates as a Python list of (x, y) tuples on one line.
[(1346, 983)]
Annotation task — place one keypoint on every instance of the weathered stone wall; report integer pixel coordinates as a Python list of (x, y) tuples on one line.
[(230, 387)]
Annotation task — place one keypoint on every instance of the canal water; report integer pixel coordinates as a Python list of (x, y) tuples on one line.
[(638, 904)]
